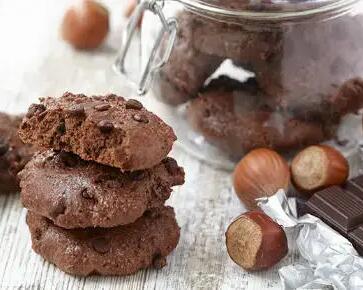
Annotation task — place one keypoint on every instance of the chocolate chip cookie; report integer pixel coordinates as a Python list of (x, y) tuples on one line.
[(109, 130), (14, 154), (76, 194), (236, 121), (120, 250), (187, 69)]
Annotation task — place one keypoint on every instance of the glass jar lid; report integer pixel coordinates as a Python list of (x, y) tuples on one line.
[(268, 9)]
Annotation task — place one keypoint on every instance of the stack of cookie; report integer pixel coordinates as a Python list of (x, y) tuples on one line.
[(96, 194)]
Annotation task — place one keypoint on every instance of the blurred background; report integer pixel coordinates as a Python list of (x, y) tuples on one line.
[(35, 61)]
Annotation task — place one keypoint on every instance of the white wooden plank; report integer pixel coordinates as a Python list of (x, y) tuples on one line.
[(204, 205)]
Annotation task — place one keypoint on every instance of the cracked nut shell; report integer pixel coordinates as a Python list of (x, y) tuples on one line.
[(255, 242)]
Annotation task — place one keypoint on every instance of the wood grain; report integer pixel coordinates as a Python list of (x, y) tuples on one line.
[(204, 207)]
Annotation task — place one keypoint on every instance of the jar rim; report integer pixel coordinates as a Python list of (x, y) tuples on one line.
[(277, 12)]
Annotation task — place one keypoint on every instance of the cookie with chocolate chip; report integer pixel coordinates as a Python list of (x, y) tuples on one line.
[(14, 154), (121, 250), (109, 130), (74, 193)]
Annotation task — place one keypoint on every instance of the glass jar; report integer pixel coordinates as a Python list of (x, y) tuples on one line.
[(237, 75)]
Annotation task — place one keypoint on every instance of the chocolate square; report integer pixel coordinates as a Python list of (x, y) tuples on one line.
[(355, 186), (341, 208), (356, 237)]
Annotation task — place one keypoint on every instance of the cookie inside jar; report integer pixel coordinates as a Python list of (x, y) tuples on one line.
[(282, 75)]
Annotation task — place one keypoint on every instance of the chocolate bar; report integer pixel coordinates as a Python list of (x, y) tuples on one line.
[(356, 237), (341, 207)]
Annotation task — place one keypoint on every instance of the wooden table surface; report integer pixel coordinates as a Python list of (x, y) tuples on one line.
[(35, 62)]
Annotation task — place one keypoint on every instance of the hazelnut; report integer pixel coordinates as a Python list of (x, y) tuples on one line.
[(261, 173), (255, 242), (318, 167), (85, 25)]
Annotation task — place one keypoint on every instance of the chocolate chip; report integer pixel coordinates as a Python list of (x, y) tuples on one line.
[(133, 104), (111, 97), (171, 165), (101, 245), (61, 129), (86, 194), (59, 209), (102, 107), (35, 109), (76, 110), (140, 118), (4, 147), (38, 234), (159, 262), (68, 159), (105, 126), (137, 175)]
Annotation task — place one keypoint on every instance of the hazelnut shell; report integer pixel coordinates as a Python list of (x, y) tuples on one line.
[(255, 242), (85, 25), (262, 172), (318, 167)]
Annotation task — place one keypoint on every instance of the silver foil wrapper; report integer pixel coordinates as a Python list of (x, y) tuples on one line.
[(331, 262)]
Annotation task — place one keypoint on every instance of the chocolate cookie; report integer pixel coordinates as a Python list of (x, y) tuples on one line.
[(245, 44), (236, 121), (187, 69), (289, 59), (121, 250), (108, 130), (318, 59), (77, 194), (14, 154), (348, 98)]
